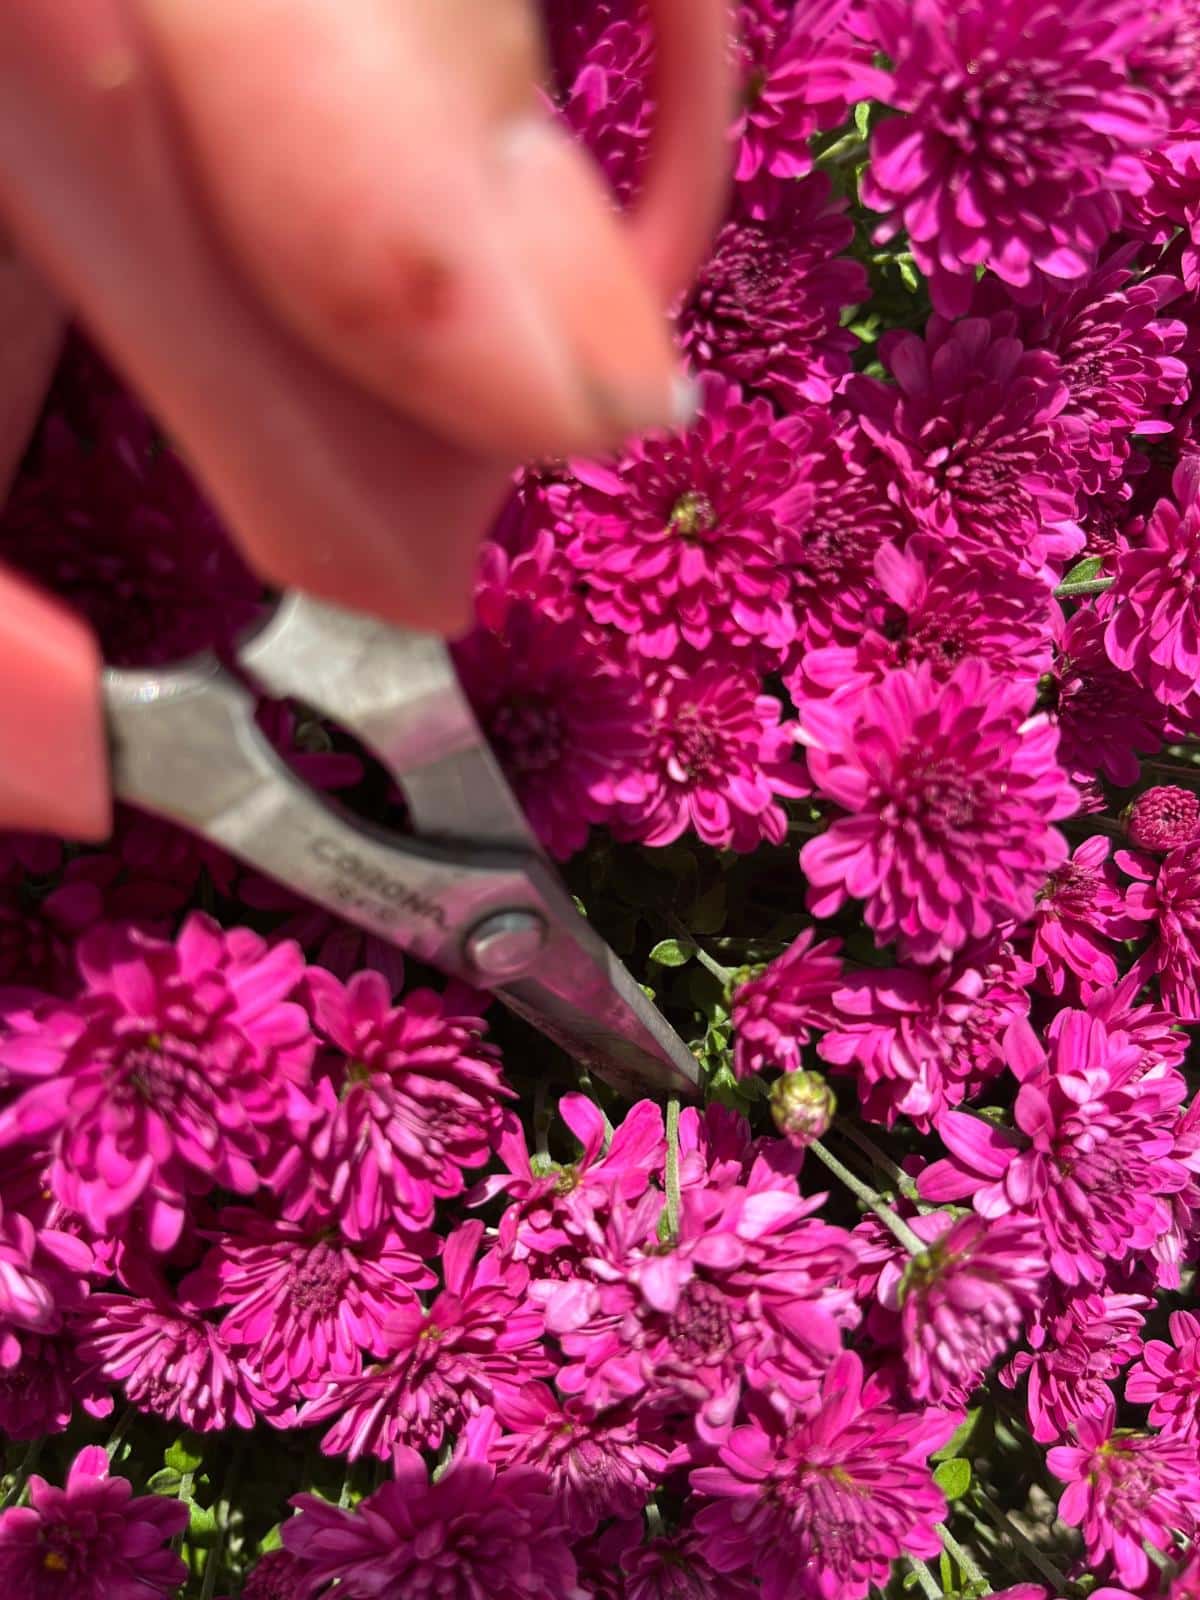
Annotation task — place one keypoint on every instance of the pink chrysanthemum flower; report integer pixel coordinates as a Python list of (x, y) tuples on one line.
[(676, 1567), (607, 102), (972, 428), (43, 1273), (105, 516), (1173, 201), (1019, 124), (1119, 361), (765, 310), (416, 1102), (474, 1532), (92, 1540), (776, 1013), (963, 1301), (829, 555), (951, 789), (1185, 1585), (1167, 1378), (479, 1340), (169, 1361), (551, 1207), (830, 1501), (1072, 1358), (678, 542), (166, 1077), (275, 1576), (1105, 719), (1125, 1490), (39, 1395), (598, 1467), (1154, 629), (1167, 894), (923, 1039), (1092, 1155), (722, 759), (569, 727), (800, 69), (933, 607), (1080, 914), (304, 1302), (1166, 57), (746, 1295), (1163, 818)]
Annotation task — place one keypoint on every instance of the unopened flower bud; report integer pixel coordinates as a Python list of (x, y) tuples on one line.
[(802, 1106), (1162, 818)]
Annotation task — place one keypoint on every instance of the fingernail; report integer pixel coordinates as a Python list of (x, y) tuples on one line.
[(575, 253)]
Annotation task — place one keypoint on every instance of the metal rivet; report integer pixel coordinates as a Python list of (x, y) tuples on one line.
[(504, 944)]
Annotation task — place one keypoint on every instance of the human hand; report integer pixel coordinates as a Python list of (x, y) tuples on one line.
[(356, 271)]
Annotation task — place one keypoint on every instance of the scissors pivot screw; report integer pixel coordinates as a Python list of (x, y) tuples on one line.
[(505, 943)]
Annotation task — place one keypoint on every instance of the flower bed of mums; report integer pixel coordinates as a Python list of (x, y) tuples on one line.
[(864, 717)]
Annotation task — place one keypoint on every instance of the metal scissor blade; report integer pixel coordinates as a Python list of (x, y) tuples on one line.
[(186, 747), (397, 692)]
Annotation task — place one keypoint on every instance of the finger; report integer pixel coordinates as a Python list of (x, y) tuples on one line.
[(53, 760), (31, 333), (685, 189), (386, 175), (324, 486)]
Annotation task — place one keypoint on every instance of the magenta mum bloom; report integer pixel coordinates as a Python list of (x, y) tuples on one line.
[(1019, 123), (1124, 1490), (1154, 629), (169, 1361), (1072, 1358), (678, 541), (1162, 818), (820, 1510), (1080, 915), (1167, 894), (168, 1075), (569, 727), (722, 758), (92, 1540), (963, 1301), (1093, 1154), (766, 308), (40, 1393), (43, 1273), (479, 1340), (1167, 1378), (776, 1013), (923, 1039), (598, 1467), (951, 789), (475, 1531), (1105, 719), (418, 1102), (971, 426), (304, 1302)]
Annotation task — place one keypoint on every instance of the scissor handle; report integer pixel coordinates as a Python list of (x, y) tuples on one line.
[(398, 693)]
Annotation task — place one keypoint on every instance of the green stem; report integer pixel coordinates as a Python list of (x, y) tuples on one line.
[(967, 1563), (216, 1556), (1085, 586), (21, 1477), (673, 1168), (925, 1580), (879, 1159), (117, 1437), (1028, 1549), (894, 1224), (722, 974)]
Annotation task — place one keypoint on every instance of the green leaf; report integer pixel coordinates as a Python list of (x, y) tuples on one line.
[(956, 1444), (202, 1526), (909, 276), (1090, 567), (707, 914), (862, 118), (185, 1454), (165, 1482), (953, 1478), (670, 953)]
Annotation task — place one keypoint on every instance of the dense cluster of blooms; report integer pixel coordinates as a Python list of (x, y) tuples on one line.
[(879, 683)]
